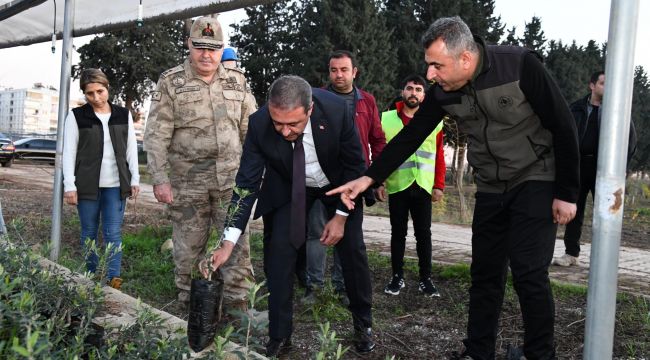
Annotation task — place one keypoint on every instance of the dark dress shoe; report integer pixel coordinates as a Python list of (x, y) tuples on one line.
[(275, 347), (363, 340)]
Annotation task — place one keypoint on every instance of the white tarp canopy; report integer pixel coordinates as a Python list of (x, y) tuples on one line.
[(25, 22)]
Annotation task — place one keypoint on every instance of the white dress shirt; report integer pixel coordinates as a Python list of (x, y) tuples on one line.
[(314, 177)]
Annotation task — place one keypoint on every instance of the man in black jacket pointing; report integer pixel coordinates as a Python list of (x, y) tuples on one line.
[(516, 121)]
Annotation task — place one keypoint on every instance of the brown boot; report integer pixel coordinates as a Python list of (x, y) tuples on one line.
[(115, 283)]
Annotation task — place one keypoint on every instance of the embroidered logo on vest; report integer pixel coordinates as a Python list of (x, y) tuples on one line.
[(504, 102)]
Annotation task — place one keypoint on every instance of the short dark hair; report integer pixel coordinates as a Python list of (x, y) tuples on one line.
[(455, 34), (594, 77), (415, 78), (289, 92), (340, 54)]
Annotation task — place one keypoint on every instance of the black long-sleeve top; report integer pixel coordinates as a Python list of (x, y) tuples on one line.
[(546, 101)]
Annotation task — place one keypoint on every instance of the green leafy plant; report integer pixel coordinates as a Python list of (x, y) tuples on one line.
[(330, 348), (44, 315), (220, 342), (251, 326), (328, 306), (146, 339), (205, 265)]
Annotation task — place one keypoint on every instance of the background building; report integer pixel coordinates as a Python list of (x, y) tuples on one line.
[(30, 111)]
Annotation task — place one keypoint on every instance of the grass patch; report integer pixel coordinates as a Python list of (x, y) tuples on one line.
[(643, 211), (455, 272), (563, 290), (633, 314), (376, 259), (147, 272)]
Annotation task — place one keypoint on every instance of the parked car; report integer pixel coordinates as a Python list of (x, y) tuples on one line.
[(6, 150), (34, 149)]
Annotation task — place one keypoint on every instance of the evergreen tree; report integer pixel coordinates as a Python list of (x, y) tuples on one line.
[(511, 37), (133, 59), (477, 14), (407, 29), (565, 63), (265, 43), (534, 38), (593, 58), (297, 37), (356, 26), (641, 119), (312, 43)]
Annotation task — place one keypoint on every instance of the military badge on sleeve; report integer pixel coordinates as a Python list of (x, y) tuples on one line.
[(156, 95), (178, 81)]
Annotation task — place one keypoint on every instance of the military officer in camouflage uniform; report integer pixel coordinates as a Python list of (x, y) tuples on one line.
[(195, 131)]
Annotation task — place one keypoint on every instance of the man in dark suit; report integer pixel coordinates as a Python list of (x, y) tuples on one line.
[(305, 143)]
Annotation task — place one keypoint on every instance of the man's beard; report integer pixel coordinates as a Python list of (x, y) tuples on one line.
[(410, 105)]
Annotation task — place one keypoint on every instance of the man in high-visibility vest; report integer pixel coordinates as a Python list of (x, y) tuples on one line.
[(419, 181)]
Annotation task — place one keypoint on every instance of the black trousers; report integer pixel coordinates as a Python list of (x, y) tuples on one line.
[(573, 232), (417, 202), (280, 263), (514, 228)]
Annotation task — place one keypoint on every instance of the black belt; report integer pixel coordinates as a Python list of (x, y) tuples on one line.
[(319, 191)]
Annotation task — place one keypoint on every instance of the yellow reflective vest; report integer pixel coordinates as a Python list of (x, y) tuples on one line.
[(420, 166)]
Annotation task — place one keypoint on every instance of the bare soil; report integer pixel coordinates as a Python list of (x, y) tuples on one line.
[(407, 326)]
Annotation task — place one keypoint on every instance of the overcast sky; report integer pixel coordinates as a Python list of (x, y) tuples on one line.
[(566, 20)]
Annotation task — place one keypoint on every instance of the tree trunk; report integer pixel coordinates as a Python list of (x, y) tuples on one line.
[(129, 105), (187, 26), (453, 160)]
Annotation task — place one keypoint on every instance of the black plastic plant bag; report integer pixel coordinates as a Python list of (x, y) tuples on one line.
[(204, 313)]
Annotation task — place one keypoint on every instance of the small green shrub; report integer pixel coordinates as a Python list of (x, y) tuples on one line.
[(42, 315), (330, 347)]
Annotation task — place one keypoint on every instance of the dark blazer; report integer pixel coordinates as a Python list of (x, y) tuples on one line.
[(266, 153)]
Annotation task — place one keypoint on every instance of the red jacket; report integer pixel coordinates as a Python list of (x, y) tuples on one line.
[(441, 168), (368, 124)]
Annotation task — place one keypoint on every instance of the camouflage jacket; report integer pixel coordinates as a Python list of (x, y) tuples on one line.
[(195, 128)]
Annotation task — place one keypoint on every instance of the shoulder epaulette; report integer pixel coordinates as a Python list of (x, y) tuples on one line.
[(172, 71), (237, 69)]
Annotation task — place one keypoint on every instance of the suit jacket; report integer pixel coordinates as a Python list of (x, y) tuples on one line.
[(266, 153)]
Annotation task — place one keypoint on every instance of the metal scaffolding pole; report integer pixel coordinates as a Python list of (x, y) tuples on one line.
[(64, 95), (610, 180)]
